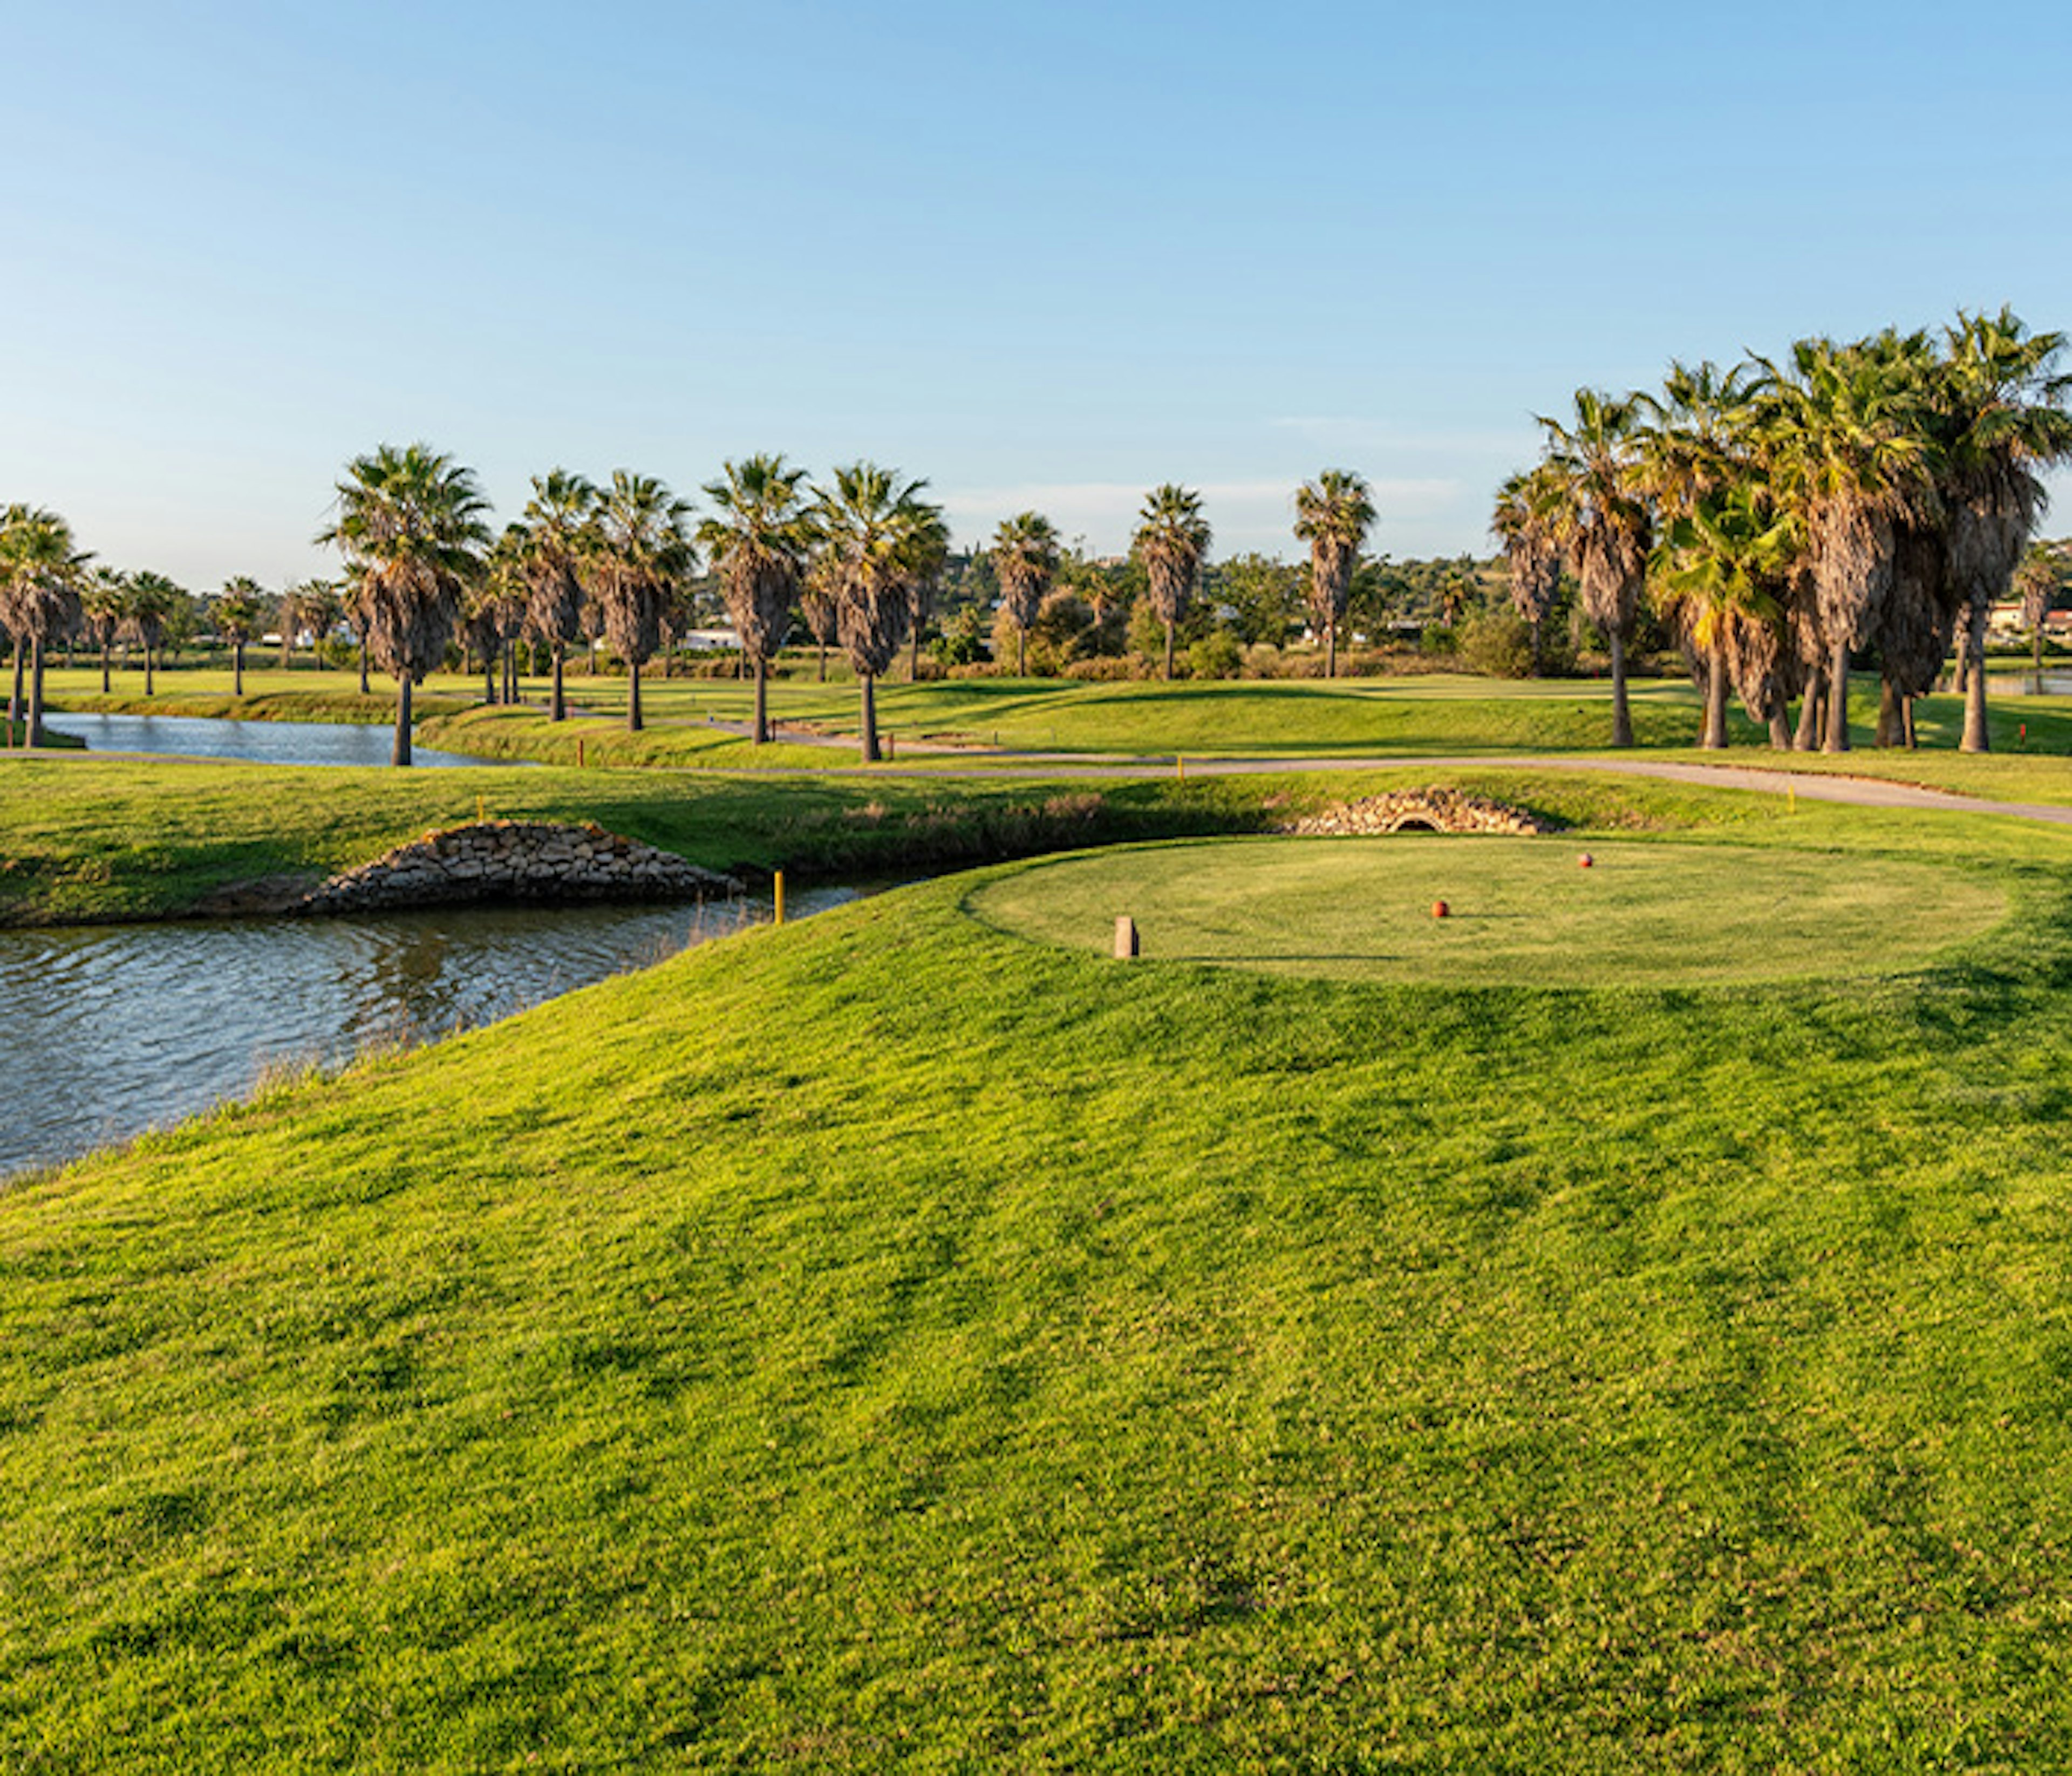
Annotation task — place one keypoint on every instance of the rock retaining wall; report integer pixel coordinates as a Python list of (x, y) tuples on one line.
[(513, 859), (1437, 810)]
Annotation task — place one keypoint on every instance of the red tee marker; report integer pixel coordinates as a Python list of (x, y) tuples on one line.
[(1440, 909), (1584, 862)]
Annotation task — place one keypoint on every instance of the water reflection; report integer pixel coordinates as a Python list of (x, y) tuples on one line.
[(253, 742), (111, 1030)]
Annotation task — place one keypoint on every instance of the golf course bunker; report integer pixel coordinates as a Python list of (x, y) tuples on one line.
[(1518, 911)]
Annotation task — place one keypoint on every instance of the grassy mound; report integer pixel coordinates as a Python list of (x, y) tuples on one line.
[(1520, 910), (885, 1340)]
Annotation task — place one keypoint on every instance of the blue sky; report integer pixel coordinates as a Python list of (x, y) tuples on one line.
[(1043, 255)]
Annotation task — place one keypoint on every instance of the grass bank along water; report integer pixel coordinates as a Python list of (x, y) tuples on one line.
[(1109, 1366), (94, 840)]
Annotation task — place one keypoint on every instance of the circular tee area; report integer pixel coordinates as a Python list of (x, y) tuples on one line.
[(1519, 912)]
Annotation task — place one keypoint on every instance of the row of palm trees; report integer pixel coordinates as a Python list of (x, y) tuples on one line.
[(860, 557), (858, 560), (1785, 518)]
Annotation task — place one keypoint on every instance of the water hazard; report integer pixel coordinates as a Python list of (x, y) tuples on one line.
[(253, 742), (112, 1030)]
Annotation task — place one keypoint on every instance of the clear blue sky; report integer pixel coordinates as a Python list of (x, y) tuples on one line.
[(1046, 255)]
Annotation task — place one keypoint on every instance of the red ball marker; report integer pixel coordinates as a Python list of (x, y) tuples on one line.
[(1584, 862), (1440, 909)]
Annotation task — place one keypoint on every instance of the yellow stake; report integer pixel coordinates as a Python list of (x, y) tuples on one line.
[(1182, 764), (780, 880), (481, 812), (1791, 796)]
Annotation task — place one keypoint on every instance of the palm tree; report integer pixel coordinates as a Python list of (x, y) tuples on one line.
[(410, 526), (643, 547), (1596, 469), (877, 534), (40, 569), (1848, 457), (927, 555), (486, 606), (1025, 559), (150, 606), (555, 542), (819, 603), (1172, 541), (2000, 411), (2039, 581), (1717, 562), (1333, 515), (756, 541), (237, 612), (102, 603), (1526, 523)]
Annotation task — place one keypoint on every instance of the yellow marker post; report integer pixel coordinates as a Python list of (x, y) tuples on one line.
[(1181, 765), (481, 810), (778, 879), (1791, 798)]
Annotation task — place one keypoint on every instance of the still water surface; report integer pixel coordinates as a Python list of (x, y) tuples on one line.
[(255, 742), (108, 1030)]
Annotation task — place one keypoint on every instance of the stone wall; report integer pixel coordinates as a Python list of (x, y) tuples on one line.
[(1434, 810), (514, 860)]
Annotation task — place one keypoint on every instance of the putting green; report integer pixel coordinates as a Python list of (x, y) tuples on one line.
[(1520, 910)]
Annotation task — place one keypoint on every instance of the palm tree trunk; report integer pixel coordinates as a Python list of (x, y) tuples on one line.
[(823, 663), (2036, 646), (1622, 715), (1838, 701), (510, 672), (34, 736), (15, 702), (1539, 650), (558, 707), (1780, 729), (633, 697), (488, 677), (1977, 737), (399, 754), (914, 658), (1810, 722), (760, 734), (150, 684), (1715, 738), (1169, 651), (870, 753), (103, 668), (1891, 725), (238, 665), (1331, 649), (1021, 653), (1906, 721), (363, 690)]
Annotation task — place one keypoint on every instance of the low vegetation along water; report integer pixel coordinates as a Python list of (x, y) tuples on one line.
[(260, 742), (114, 1030)]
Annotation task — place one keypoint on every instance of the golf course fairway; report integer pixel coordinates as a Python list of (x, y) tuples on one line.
[(895, 1342)]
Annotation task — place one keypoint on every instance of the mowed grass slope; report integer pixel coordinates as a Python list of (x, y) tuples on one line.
[(888, 1340)]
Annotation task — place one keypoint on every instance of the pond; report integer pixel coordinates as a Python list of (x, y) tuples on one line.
[(254, 742), (114, 1030)]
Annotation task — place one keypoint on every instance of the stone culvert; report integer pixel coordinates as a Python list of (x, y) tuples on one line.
[(513, 859), (1419, 811)]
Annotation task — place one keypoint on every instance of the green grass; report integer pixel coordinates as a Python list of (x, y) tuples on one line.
[(15, 734), (1520, 911), (888, 1341), (300, 694)]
